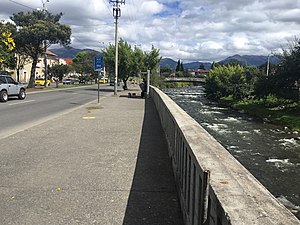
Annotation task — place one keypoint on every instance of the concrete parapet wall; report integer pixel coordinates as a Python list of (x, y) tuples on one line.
[(213, 187)]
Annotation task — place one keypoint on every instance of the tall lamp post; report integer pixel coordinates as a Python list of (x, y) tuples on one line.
[(268, 65), (45, 46)]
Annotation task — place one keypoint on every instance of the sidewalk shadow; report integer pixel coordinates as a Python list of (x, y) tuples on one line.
[(101, 89), (153, 198)]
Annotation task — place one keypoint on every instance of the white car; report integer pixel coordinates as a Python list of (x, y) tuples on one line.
[(9, 87), (68, 81)]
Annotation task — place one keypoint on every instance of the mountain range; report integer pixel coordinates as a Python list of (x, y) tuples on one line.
[(69, 52), (249, 60)]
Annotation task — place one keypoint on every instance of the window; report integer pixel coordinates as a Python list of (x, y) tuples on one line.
[(2, 80), (10, 80)]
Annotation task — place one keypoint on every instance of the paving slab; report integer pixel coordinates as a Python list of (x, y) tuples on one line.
[(100, 164)]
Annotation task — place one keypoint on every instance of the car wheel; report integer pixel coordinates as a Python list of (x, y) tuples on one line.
[(3, 96), (22, 94)]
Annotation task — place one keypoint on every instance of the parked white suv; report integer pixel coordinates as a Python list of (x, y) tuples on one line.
[(9, 87)]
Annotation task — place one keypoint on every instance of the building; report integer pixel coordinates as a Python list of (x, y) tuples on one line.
[(25, 72), (198, 73)]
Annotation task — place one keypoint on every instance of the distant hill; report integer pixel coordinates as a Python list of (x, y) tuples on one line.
[(69, 52), (250, 60), (167, 62), (196, 65)]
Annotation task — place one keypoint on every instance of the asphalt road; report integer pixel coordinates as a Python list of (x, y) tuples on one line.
[(38, 107)]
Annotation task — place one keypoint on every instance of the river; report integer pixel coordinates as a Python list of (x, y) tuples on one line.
[(269, 152)]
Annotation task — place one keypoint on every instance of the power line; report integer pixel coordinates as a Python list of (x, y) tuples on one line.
[(131, 13), (21, 4), (107, 6)]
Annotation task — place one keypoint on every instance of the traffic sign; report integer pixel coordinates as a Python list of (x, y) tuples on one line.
[(98, 63)]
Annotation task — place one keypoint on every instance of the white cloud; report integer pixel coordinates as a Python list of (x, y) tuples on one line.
[(187, 30), (151, 7)]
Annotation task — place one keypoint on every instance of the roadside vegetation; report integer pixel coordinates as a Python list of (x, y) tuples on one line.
[(271, 109), (132, 61), (7, 45), (25, 39), (273, 97)]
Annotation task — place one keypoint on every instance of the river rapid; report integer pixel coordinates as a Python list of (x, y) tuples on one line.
[(269, 152)]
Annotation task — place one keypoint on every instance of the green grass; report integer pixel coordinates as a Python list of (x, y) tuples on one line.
[(282, 112)]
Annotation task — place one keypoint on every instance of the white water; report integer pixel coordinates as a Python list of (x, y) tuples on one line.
[(270, 153)]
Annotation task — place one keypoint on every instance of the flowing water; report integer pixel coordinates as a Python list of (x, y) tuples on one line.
[(269, 152)]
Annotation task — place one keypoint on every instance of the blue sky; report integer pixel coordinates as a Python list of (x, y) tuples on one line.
[(190, 30), (170, 8)]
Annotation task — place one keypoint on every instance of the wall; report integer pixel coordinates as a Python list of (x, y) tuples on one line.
[(213, 187)]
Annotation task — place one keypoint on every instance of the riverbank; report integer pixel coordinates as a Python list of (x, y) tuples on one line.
[(281, 112)]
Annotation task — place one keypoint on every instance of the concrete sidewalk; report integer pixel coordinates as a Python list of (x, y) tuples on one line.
[(101, 164)]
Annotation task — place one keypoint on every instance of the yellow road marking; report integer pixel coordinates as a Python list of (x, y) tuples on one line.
[(88, 117)]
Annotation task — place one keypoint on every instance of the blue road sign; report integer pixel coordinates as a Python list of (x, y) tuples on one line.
[(98, 63)]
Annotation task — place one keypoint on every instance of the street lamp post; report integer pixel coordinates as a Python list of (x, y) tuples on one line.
[(45, 47), (44, 3), (268, 65)]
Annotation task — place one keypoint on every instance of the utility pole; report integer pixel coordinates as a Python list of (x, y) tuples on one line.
[(116, 14), (268, 62), (268, 65), (45, 46)]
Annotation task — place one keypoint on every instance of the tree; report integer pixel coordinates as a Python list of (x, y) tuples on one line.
[(131, 62), (21, 60), (252, 75), (213, 65), (152, 59), (178, 66), (226, 80), (165, 71), (139, 61), (181, 67), (109, 60), (83, 63), (201, 66), (36, 28), (58, 71), (126, 62), (7, 45), (286, 79)]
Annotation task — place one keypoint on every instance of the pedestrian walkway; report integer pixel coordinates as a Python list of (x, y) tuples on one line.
[(100, 164)]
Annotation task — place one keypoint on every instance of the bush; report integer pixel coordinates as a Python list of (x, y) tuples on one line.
[(273, 101)]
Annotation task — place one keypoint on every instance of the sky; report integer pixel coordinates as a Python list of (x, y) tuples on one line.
[(189, 30)]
